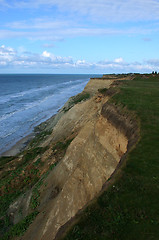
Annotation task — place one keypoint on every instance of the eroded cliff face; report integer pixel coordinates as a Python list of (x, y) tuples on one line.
[(90, 160)]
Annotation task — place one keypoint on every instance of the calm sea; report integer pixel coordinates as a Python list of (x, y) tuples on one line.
[(26, 100)]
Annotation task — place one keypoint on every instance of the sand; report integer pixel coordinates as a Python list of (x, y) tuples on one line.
[(19, 146)]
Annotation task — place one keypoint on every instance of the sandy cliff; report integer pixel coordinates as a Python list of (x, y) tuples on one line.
[(90, 159)]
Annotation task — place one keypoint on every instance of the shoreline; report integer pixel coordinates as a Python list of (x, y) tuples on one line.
[(18, 146), (23, 143)]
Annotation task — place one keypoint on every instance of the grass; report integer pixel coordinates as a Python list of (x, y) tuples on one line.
[(16, 181), (59, 148), (109, 91), (32, 153), (77, 99), (24, 175), (35, 199), (20, 228), (5, 160), (62, 146), (129, 209), (39, 137), (8, 231), (102, 90), (10, 178), (81, 97)]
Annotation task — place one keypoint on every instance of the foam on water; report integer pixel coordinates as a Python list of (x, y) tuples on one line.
[(28, 100)]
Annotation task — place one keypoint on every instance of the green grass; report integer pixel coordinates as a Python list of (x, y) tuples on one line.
[(38, 162), (25, 175), (39, 137), (20, 228), (77, 99), (15, 182), (102, 90), (32, 154), (129, 209), (8, 231), (81, 97), (35, 199), (62, 146), (5, 160)]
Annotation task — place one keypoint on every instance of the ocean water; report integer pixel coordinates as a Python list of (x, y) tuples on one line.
[(26, 100)]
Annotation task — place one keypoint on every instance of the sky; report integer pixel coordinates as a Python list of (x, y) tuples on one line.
[(79, 36)]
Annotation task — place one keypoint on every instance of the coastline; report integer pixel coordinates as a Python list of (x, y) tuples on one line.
[(91, 87), (23, 143), (94, 161), (18, 146)]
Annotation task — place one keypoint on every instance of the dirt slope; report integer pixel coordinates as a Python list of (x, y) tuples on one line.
[(90, 159)]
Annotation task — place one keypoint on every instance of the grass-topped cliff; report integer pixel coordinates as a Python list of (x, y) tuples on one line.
[(129, 208), (70, 164)]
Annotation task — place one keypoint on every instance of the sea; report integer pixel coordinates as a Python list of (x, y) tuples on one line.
[(26, 100)]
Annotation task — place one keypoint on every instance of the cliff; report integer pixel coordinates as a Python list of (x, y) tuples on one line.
[(85, 143)]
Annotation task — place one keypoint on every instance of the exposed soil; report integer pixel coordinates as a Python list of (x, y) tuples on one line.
[(68, 164)]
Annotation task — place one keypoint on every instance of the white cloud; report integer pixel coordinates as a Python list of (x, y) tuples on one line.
[(118, 60), (46, 54), (36, 35), (6, 54), (71, 30), (115, 10), (10, 58), (153, 62), (39, 23), (68, 25)]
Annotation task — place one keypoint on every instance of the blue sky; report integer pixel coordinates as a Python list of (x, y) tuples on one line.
[(79, 36)]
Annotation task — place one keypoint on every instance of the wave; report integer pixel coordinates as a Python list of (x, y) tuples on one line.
[(9, 133), (27, 111), (65, 92), (9, 97)]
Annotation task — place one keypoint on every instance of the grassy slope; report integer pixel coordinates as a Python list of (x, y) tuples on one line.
[(16, 177), (25, 175), (130, 208)]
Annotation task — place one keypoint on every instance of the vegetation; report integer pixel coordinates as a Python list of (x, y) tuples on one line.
[(16, 178), (39, 137), (32, 153), (5, 160), (102, 90), (77, 99), (35, 199), (22, 174), (62, 145), (81, 97), (129, 209), (20, 228)]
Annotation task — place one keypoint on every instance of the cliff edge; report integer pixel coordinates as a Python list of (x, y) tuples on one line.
[(90, 160), (95, 145)]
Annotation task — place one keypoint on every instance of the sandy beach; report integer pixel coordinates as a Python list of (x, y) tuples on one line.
[(19, 146), (23, 143)]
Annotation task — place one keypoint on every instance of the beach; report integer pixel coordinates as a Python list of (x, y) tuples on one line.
[(18, 147), (28, 100)]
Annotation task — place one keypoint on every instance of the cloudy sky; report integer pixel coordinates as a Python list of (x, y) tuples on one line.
[(79, 36)]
